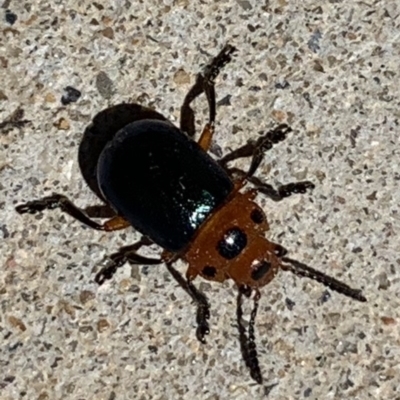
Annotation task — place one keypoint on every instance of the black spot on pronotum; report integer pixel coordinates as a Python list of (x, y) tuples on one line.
[(260, 270), (209, 271), (257, 216), (232, 244)]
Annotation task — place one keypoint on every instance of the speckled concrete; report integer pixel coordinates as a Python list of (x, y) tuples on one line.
[(331, 70)]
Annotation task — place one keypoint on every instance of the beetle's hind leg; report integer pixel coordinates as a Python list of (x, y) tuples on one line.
[(67, 206), (203, 307), (247, 340), (205, 82)]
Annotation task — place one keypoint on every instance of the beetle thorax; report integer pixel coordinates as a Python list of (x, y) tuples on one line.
[(231, 245)]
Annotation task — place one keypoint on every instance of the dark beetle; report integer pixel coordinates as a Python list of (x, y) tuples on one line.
[(161, 181), (151, 175)]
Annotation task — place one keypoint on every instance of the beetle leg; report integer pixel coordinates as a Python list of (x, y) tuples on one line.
[(187, 113), (304, 270), (274, 194), (123, 255), (205, 82), (257, 148), (100, 211), (247, 341), (203, 306), (64, 204), (15, 120), (282, 191), (206, 137)]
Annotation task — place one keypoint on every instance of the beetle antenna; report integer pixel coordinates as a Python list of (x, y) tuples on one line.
[(304, 270), (247, 340)]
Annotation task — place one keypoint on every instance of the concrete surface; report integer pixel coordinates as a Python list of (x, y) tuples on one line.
[(328, 68)]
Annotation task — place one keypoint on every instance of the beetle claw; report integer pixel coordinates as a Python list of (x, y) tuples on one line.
[(201, 331)]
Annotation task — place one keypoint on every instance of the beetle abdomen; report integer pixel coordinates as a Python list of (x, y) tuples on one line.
[(161, 181)]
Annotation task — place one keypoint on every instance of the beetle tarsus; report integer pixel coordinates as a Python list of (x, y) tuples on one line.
[(203, 306), (212, 70), (46, 203), (123, 255), (63, 203), (294, 188), (264, 143), (283, 191), (205, 82), (277, 134), (257, 148), (106, 273), (202, 326)]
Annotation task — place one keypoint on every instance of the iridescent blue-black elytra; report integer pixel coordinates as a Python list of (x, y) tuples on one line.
[(161, 181)]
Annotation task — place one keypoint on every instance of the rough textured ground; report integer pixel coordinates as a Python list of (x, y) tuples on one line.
[(328, 68)]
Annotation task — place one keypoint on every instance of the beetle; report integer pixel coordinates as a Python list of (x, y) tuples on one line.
[(153, 176)]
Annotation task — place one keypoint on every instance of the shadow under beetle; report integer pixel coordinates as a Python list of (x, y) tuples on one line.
[(154, 177)]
